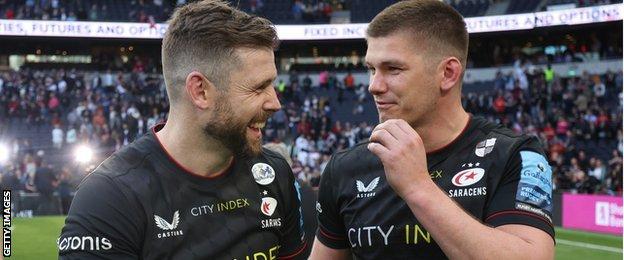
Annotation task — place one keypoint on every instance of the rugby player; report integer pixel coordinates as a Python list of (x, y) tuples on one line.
[(199, 186), (434, 182)]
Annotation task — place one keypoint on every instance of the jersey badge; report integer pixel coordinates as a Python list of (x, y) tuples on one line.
[(169, 228), (366, 191), (535, 186), (484, 147), (263, 173), (468, 177), (164, 225), (268, 206)]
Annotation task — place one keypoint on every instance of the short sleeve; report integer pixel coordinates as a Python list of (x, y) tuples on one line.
[(102, 223), (292, 242), (331, 231), (524, 195)]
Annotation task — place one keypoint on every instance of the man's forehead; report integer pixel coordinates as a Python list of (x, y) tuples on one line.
[(394, 48), (258, 65)]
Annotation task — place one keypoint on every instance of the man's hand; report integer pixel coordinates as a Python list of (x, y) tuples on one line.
[(402, 153)]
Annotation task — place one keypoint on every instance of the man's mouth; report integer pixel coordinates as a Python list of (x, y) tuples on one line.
[(384, 105), (257, 126)]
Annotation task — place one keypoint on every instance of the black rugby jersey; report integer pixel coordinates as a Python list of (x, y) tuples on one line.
[(493, 174), (140, 204)]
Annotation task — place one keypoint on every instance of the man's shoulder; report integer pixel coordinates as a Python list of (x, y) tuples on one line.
[(501, 136), (129, 159), (494, 130), (354, 160), (357, 150), (274, 157)]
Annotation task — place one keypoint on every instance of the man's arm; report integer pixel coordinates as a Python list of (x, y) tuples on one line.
[(101, 223), (292, 242), (402, 153), (321, 251), (331, 241), (462, 236)]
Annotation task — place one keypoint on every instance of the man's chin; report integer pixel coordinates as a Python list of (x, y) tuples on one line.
[(254, 148)]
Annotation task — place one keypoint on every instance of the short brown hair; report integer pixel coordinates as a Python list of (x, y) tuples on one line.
[(203, 36), (427, 20)]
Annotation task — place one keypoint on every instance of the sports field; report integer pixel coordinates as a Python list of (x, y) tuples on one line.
[(35, 238)]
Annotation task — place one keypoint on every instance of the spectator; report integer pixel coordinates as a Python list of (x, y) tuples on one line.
[(71, 137), (307, 84), (93, 13), (57, 137), (598, 170), (45, 183), (297, 10), (324, 79), (349, 82)]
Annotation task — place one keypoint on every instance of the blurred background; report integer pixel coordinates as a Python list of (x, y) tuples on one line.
[(79, 79)]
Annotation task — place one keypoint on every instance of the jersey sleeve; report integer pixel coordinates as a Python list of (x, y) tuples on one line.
[(292, 242), (524, 195), (331, 231), (101, 223)]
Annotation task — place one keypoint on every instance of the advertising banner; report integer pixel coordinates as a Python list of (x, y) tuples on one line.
[(495, 23), (597, 213)]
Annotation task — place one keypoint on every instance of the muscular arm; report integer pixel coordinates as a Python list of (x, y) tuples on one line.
[(102, 223), (462, 236), (402, 153), (320, 252), (330, 242)]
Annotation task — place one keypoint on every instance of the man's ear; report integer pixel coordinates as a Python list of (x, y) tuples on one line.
[(200, 90), (451, 73)]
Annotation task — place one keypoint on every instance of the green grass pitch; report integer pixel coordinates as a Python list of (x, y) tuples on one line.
[(35, 238)]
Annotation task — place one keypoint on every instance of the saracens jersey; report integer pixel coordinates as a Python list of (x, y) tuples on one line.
[(141, 204), (493, 174)]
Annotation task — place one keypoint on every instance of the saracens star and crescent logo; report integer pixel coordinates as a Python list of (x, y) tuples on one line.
[(263, 173), (268, 206), (468, 177)]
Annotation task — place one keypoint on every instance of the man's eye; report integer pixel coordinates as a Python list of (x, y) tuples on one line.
[(394, 69), (261, 89)]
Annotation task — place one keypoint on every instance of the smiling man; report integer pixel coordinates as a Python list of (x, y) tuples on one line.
[(433, 182), (200, 186)]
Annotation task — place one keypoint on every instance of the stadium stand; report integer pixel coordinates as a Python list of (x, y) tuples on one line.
[(49, 109), (469, 8), (582, 3), (522, 6), (278, 11), (50, 112)]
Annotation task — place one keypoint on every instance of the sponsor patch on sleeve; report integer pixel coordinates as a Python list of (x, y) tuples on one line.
[(535, 185)]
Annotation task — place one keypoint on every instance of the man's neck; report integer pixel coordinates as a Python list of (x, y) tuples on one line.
[(193, 151), (444, 129)]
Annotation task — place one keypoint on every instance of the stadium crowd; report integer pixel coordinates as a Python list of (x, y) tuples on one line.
[(151, 11), (577, 118), (285, 11)]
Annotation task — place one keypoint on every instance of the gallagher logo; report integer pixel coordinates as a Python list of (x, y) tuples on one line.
[(468, 177)]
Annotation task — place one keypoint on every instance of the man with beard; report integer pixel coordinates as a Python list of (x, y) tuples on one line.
[(200, 186)]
